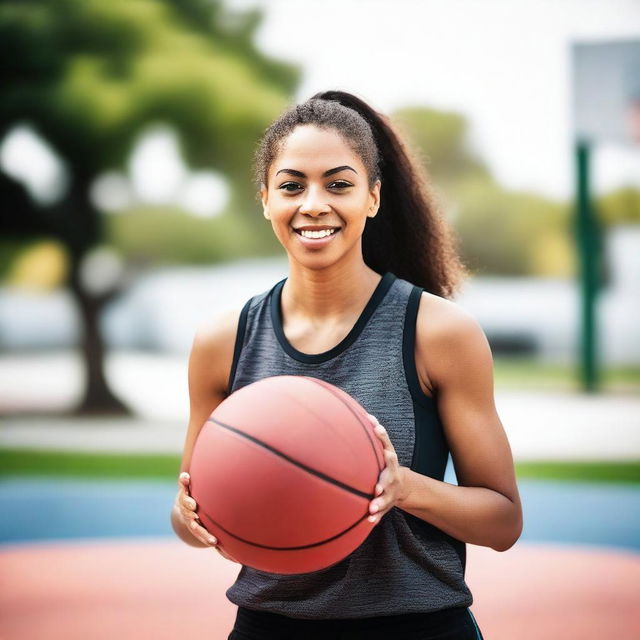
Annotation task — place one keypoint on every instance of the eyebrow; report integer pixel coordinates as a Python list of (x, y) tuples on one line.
[(327, 173)]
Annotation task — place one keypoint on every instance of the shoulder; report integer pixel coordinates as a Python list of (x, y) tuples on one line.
[(449, 339), (218, 329), (212, 350)]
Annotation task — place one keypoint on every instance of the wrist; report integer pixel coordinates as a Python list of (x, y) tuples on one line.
[(405, 486)]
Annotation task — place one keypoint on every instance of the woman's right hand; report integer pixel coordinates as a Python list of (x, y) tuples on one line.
[(187, 507)]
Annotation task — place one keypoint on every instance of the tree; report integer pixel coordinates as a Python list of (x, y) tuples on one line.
[(440, 140), (500, 231), (88, 75)]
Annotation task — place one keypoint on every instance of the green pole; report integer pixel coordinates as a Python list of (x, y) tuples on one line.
[(589, 271)]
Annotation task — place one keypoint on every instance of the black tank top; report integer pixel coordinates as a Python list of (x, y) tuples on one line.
[(405, 565)]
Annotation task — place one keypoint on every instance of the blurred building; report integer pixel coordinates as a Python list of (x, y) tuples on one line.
[(161, 310)]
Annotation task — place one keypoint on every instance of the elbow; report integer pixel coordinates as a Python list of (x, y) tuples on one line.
[(506, 547), (513, 538)]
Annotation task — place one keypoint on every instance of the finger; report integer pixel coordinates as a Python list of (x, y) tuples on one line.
[(381, 432), (189, 503), (184, 478), (376, 517), (189, 517), (184, 491), (391, 457), (377, 509), (202, 534), (376, 505), (184, 500), (379, 505), (383, 482), (385, 479), (373, 419)]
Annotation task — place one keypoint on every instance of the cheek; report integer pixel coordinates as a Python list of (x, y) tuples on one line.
[(281, 226), (356, 225)]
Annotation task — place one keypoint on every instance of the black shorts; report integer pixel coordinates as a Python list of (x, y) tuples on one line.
[(449, 624)]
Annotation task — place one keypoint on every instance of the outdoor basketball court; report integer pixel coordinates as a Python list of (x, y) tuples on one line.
[(157, 588)]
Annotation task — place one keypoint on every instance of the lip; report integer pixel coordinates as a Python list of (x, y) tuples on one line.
[(316, 243), (316, 227)]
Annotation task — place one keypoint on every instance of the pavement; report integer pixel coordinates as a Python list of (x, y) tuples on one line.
[(540, 425), (163, 589)]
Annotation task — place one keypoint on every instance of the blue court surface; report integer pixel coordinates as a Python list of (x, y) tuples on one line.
[(37, 509)]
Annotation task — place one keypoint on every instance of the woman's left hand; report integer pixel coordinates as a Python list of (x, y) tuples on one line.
[(390, 488)]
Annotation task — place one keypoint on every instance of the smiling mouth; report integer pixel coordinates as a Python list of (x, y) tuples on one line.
[(323, 232)]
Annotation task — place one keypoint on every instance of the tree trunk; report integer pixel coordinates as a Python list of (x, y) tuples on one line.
[(98, 398), (81, 232)]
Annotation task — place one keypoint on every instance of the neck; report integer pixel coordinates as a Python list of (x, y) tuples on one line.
[(327, 294)]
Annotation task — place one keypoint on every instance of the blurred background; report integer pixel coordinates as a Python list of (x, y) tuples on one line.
[(129, 217)]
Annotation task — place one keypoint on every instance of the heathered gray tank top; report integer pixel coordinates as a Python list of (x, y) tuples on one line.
[(405, 565)]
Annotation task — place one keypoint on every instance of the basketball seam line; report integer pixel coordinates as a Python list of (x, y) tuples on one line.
[(315, 472), (335, 395), (305, 546)]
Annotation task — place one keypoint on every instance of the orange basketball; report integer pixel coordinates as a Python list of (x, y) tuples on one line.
[(283, 472)]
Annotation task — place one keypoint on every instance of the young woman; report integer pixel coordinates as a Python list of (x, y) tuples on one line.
[(365, 306)]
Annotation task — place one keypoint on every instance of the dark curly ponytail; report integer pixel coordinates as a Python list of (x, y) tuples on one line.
[(409, 236)]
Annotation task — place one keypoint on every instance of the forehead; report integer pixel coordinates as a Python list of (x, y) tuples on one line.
[(311, 149)]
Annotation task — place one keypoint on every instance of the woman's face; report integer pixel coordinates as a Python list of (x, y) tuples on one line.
[(318, 182)]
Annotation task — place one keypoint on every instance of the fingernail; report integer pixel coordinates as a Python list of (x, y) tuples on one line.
[(372, 518), (374, 508), (212, 540), (380, 428)]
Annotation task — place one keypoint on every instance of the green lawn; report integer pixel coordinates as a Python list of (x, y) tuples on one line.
[(90, 465), (526, 373), (166, 467)]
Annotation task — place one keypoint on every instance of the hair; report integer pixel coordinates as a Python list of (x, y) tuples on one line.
[(409, 235)]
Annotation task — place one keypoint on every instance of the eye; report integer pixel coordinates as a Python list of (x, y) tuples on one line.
[(340, 184), (285, 186), (292, 187)]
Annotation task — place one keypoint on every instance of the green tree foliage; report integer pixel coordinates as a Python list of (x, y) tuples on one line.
[(620, 206), (440, 140), (512, 232), (165, 236), (89, 75), (501, 232)]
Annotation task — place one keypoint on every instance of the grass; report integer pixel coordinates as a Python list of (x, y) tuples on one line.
[(27, 462), (627, 472), (528, 373), (88, 465)]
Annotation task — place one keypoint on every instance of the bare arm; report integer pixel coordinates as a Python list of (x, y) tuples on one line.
[(209, 367), (485, 508)]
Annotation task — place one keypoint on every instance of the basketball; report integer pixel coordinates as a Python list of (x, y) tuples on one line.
[(283, 472)]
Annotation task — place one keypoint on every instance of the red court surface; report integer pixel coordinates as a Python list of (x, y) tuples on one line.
[(140, 589)]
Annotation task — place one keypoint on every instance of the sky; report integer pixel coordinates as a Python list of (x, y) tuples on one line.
[(505, 64)]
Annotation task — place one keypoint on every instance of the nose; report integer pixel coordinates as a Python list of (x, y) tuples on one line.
[(313, 202)]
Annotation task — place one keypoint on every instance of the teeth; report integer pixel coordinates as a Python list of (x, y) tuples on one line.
[(317, 234)]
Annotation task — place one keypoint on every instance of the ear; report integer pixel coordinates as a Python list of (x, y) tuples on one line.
[(374, 200), (264, 196)]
